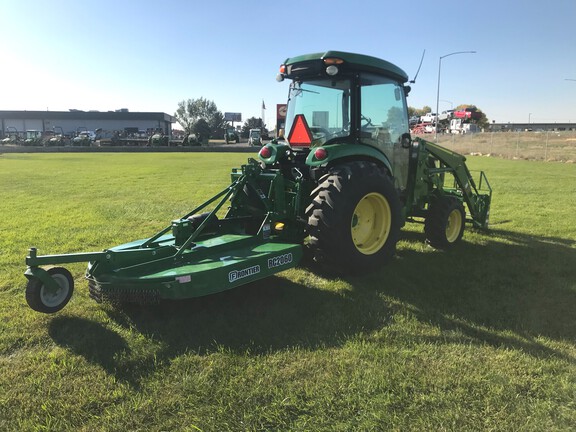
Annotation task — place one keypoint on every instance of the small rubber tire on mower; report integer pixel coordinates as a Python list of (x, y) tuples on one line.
[(354, 218), (445, 222), (41, 299)]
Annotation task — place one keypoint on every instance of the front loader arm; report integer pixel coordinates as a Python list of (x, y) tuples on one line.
[(451, 162)]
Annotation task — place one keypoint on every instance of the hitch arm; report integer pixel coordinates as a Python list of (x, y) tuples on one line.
[(33, 260)]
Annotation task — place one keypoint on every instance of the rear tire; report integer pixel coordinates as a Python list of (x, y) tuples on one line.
[(444, 225), (354, 219), (43, 299)]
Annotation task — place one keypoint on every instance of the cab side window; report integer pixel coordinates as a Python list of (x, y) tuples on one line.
[(383, 118)]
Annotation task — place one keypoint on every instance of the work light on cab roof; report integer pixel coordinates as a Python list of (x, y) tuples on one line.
[(331, 67)]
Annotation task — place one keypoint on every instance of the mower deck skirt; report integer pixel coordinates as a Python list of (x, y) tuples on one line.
[(217, 264)]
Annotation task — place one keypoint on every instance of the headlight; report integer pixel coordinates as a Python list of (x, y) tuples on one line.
[(332, 70)]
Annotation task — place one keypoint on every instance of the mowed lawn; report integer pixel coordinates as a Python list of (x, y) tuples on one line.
[(482, 337)]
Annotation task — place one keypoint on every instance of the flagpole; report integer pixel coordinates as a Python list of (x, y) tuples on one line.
[(263, 113)]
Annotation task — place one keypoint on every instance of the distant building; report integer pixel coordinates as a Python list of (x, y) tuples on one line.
[(528, 127), (74, 120)]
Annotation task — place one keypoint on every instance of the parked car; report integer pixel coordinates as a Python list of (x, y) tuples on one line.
[(428, 118), (446, 115)]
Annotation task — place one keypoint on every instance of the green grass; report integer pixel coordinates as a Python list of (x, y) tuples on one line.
[(546, 145), (482, 337)]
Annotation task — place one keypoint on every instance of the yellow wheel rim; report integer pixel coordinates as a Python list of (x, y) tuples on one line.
[(371, 223), (453, 226)]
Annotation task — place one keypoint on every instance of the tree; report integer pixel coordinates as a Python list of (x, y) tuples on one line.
[(202, 130), (395, 116), (251, 123), (418, 112), (190, 111), (217, 125), (481, 121)]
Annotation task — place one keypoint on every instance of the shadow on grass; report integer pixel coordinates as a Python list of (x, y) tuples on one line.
[(265, 316), (90, 339), (505, 293), (270, 314)]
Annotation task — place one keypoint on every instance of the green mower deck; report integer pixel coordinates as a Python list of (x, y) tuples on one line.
[(216, 264), (130, 273)]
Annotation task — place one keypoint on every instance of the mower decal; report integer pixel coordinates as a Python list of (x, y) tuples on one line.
[(234, 275), (280, 260), (184, 279)]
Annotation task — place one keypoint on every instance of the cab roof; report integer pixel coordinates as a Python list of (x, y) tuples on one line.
[(360, 62)]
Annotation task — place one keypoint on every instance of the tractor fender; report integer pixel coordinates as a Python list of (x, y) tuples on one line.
[(273, 152), (337, 153)]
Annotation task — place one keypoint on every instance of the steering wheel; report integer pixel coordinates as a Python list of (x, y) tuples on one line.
[(368, 121)]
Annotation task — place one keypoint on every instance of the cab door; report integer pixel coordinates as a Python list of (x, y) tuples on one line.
[(384, 122)]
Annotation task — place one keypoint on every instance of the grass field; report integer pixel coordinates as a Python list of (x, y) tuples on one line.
[(558, 146), (482, 337)]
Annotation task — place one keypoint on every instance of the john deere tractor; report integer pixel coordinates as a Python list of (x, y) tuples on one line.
[(342, 184), (348, 138)]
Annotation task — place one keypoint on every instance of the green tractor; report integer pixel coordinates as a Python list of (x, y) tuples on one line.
[(57, 138), (342, 185), (231, 135), (33, 138), (12, 136), (159, 139)]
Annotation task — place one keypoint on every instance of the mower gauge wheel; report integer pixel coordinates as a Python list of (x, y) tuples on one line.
[(46, 300)]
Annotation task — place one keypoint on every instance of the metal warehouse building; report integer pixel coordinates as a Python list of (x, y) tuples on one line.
[(74, 120)]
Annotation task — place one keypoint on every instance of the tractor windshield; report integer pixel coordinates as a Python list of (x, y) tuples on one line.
[(325, 104)]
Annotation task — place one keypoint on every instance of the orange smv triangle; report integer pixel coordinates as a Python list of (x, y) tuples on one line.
[(300, 135)]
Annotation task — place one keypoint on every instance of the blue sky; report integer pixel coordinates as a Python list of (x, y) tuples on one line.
[(149, 55)]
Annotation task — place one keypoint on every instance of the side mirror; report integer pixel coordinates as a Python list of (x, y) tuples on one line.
[(407, 90), (406, 140)]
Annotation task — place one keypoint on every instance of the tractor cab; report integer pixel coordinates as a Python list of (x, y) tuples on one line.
[(343, 105)]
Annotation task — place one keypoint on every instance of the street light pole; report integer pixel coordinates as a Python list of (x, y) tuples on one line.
[(438, 87), (447, 101)]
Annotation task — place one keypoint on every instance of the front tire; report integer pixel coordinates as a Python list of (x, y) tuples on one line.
[(42, 299), (354, 219), (444, 225)]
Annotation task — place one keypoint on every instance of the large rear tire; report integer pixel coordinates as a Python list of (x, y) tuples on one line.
[(445, 222), (354, 218)]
